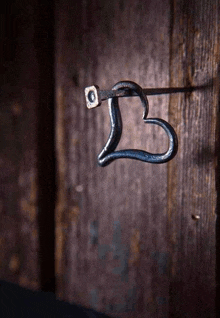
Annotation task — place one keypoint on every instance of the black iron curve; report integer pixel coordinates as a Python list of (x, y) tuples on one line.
[(108, 154)]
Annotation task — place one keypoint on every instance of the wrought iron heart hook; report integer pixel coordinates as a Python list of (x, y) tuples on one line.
[(108, 154), (127, 88)]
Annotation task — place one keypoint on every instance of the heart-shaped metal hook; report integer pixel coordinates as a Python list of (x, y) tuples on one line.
[(108, 154)]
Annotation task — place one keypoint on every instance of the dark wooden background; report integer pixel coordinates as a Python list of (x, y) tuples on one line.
[(125, 237)]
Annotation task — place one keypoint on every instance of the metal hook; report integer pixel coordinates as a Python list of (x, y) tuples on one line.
[(108, 154)]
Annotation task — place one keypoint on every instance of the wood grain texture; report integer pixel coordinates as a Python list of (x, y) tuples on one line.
[(18, 177), (191, 177), (112, 251), (27, 175), (126, 241)]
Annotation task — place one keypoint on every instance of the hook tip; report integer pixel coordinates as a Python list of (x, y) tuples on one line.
[(145, 113)]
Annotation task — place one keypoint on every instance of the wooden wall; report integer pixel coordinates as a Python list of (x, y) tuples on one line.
[(27, 168), (127, 242), (18, 178), (131, 239)]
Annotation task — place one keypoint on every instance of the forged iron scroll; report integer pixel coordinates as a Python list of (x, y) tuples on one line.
[(108, 154)]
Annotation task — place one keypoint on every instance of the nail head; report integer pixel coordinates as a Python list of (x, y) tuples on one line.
[(92, 96)]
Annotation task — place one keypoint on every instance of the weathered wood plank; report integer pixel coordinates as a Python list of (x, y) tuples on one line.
[(112, 251), (191, 176), (18, 178), (128, 241), (27, 175)]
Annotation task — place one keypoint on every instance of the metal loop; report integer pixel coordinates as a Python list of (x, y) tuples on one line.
[(108, 154)]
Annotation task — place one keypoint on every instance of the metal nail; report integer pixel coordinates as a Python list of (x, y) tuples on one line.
[(95, 96)]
